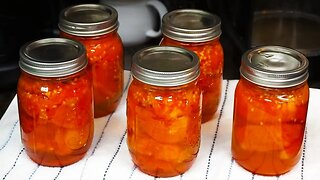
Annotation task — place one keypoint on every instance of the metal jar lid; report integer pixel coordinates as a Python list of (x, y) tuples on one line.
[(274, 66), (191, 25), (165, 66), (88, 20), (53, 57)]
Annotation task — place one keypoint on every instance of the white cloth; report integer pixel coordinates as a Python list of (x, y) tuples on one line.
[(108, 156)]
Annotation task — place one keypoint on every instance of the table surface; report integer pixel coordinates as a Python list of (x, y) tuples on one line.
[(108, 156)]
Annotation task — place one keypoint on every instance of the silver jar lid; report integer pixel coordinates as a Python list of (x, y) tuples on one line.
[(191, 25), (165, 66), (274, 66), (88, 20), (53, 57)]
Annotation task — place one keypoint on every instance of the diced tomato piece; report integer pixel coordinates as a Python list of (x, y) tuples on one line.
[(268, 127)]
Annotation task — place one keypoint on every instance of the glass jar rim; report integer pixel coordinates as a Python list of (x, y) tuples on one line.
[(191, 25), (166, 66), (88, 20), (52, 57), (274, 66)]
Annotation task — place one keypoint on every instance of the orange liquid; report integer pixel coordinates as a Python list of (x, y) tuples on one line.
[(105, 56), (163, 128), (268, 127), (56, 117), (211, 65)]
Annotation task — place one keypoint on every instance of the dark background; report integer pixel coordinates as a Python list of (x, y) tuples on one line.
[(23, 21)]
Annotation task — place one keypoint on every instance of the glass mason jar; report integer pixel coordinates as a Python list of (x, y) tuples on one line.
[(164, 110), (55, 101), (270, 109), (96, 27), (199, 31)]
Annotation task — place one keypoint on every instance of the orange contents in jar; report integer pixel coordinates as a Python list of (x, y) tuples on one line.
[(163, 127), (211, 58), (105, 56), (56, 117), (268, 127)]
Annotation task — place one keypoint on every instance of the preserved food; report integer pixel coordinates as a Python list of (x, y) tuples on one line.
[(163, 115), (97, 30), (55, 101), (270, 112), (203, 39)]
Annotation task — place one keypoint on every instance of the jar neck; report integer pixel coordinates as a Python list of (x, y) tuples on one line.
[(84, 71), (250, 85), (67, 35), (163, 88), (167, 39)]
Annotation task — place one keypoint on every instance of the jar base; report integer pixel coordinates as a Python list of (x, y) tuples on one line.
[(264, 173), (53, 160), (160, 168), (265, 168), (208, 116), (103, 110)]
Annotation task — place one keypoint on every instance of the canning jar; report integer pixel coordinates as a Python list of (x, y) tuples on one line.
[(96, 27), (199, 31), (270, 109), (55, 101), (164, 110)]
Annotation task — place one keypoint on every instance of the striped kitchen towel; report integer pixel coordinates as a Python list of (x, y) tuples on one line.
[(108, 157)]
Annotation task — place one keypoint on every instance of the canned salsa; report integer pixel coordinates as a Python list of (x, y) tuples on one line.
[(270, 110), (96, 27), (55, 101), (199, 31), (163, 110)]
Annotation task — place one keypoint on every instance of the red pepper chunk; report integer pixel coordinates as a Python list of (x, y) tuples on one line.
[(56, 117), (268, 127), (163, 127), (105, 56), (211, 58)]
